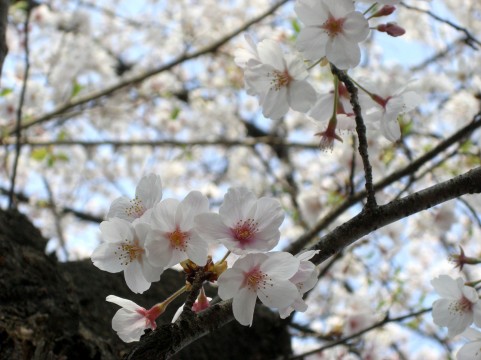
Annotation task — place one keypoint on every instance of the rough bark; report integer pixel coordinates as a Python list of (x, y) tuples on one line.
[(52, 310)]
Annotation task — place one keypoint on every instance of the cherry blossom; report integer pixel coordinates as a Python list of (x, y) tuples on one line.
[(388, 106), (259, 275), (333, 29), (123, 250), (279, 80), (458, 307), (471, 350), (244, 223), (147, 194), (173, 237), (305, 279), (131, 320)]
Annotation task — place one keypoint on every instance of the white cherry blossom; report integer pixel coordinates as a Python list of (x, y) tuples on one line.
[(471, 350), (123, 250), (131, 320), (305, 279), (173, 238), (386, 107), (147, 194), (244, 223), (333, 30), (458, 307), (279, 80), (259, 275)]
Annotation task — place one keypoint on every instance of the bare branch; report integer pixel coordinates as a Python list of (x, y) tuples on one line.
[(368, 221)]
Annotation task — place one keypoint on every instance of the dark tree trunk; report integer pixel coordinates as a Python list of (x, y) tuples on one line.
[(52, 310)]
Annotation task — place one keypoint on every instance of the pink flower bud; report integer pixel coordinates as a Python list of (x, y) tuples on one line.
[(384, 11), (391, 28)]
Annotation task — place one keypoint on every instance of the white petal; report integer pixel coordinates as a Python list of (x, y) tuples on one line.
[(270, 53), (470, 351), (116, 230), (446, 286), (281, 294), (312, 42), (163, 215), (129, 326), (339, 8), (269, 213), (275, 103), (210, 227), (311, 13), (134, 278), (237, 203), (158, 249), (125, 303), (301, 96), (296, 66), (149, 190), (356, 27), (197, 249), (323, 108), (281, 265), (229, 283), (118, 209), (390, 129), (194, 204), (343, 53), (105, 258), (151, 273), (243, 306)]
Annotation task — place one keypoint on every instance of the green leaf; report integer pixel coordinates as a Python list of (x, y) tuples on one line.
[(76, 89), (6, 91), (295, 26), (40, 154), (174, 114)]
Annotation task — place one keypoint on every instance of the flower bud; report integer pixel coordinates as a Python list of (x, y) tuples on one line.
[(392, 29), (384, 11)]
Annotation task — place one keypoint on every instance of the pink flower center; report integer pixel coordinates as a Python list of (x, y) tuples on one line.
[(255, 279), (244, 231), (178, 239), (136, 209), (381, 101), (279, 79), (129, 252), (461, 306), (333, 26), (150, 316)]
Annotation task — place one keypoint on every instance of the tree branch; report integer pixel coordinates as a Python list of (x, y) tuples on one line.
[(458, 136), (4, 5), (368, 221)]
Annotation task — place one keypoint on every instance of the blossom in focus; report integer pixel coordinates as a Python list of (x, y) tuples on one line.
[(147, 194), (259, 275), (131, 320), (247, 55), (471, 350), (279, 80), (244, 223), (333, 30), (387, 107), (123, 250), (173, 238), (458, 307), (305, 279)]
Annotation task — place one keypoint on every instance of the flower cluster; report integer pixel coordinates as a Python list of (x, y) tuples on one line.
[(146, 235), (331, 34), (458, 308)]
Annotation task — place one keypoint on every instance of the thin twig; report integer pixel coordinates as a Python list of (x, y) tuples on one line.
[(371, 203), (379, 324), (18, 125)]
